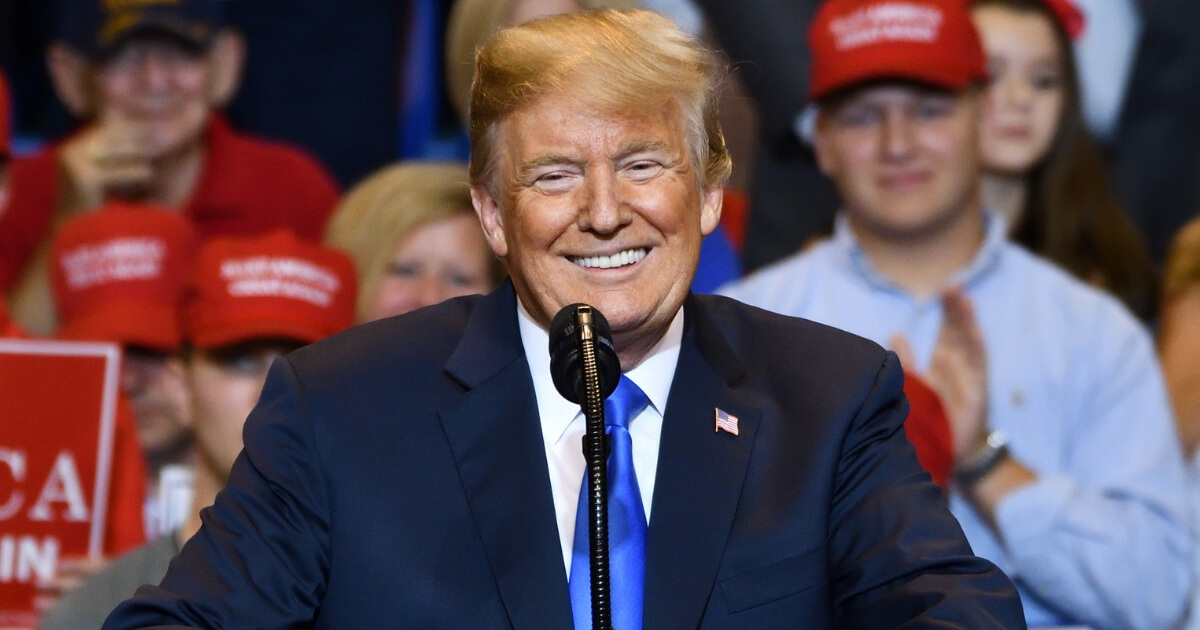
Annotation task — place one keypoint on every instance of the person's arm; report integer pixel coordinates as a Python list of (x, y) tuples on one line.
[(1092, 538), (261, 557), (1105, 538), (898, 557)]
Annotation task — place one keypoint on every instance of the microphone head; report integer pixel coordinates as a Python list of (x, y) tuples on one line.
[(566, 359)]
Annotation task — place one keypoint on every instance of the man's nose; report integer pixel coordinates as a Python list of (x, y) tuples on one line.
[(603, 212), (155, 72), (897, 130)]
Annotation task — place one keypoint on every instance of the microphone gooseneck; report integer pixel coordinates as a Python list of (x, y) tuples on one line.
[(585, 369)]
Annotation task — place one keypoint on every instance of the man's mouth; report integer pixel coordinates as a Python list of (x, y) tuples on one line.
[(619, 259)]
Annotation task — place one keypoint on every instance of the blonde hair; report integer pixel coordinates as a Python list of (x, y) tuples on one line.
[(471, 24), (614, 60), (387, 207)]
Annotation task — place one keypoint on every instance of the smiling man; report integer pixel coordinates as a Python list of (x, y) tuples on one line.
[(1068, 473), (422, 471)]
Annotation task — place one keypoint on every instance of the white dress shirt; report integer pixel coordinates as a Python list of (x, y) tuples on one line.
[(563, 423)]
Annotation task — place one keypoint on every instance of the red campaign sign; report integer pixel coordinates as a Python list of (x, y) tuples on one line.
[(58, 404)]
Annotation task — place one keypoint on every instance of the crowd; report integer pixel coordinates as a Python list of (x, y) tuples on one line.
[(1050, 356)]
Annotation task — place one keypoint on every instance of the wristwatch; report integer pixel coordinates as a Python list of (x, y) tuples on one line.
[(978, 464)]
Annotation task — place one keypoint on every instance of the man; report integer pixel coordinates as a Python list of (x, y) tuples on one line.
[(148, 77), (421, 471), (118, 275), (232, 337), (1068, 472)]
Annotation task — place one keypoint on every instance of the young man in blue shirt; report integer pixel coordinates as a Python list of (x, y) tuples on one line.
[(1068, 472)]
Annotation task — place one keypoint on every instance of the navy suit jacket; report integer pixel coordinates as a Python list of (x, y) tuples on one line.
[(395, 476)]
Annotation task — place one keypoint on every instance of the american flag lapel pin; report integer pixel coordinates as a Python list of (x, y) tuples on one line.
[(726, 422)]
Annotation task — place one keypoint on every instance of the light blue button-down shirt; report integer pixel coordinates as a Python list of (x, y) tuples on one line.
[(1103, 537)]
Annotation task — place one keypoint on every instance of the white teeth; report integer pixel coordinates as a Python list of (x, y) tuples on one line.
[(619, 259)]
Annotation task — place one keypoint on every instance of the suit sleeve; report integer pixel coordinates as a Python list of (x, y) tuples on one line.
[(262, 555), (898, 557)]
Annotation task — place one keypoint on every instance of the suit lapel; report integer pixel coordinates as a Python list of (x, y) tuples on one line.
[(700, 475), (496, 438)]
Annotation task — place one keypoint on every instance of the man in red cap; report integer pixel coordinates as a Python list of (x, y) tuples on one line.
[(118, 275), (249, 301), (1067, 474), (148, 78)]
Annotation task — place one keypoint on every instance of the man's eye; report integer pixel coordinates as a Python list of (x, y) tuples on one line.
[(554, 182), (644, 169), (252, 364), (935, 108), (857, 116)]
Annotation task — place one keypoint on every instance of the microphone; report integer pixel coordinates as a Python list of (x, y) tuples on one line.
[(586, 369), (570, 331)]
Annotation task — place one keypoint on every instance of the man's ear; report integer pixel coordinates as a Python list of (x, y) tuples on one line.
[(710, 209), (820, 147), (70, 74), (226, 60), (488, 211)]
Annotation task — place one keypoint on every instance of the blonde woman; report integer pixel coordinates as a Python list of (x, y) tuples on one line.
[(414, 238)]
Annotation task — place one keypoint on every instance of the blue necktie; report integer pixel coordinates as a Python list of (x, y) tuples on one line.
[(626, 521)]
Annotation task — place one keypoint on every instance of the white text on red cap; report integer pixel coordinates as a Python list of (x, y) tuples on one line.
[(266, 276), (118, 260), (890, 22)]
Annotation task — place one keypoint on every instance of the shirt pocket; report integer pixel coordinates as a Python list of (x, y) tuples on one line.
[(776, 581)]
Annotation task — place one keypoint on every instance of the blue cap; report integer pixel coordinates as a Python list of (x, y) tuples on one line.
[(97, 27)]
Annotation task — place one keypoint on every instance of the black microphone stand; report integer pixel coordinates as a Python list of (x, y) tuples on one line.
[(595, 452), (585, 368)]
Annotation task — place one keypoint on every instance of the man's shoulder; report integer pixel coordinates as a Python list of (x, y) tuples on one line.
[(270, 162), (1050, 289), (776, 285), (254, 147), (784, 342), (419, 342)]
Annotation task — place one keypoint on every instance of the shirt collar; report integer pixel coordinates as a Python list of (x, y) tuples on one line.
[(984, 261), (653, 375)]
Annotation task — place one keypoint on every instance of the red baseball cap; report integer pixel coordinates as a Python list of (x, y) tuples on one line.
[(269, 287), (5, 117), (118, 274), (928, 41)]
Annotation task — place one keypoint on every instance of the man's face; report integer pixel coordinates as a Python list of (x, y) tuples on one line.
[(225, 386), (155, 92), (159, 399), (904, 158), (602, 209)]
